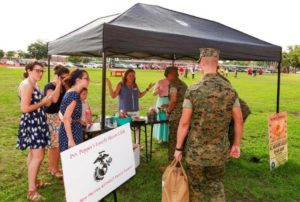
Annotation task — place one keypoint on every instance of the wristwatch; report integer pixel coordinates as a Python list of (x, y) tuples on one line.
[(179, 149)]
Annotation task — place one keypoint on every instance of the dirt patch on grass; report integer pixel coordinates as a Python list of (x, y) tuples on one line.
[(296, 114), (241, 198)]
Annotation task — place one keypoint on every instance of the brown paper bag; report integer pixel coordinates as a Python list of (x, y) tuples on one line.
[(175, 187)]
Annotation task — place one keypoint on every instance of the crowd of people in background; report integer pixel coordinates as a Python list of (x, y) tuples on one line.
[(199, 115)]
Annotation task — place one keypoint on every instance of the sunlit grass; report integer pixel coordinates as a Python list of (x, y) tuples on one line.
[(244, 180)]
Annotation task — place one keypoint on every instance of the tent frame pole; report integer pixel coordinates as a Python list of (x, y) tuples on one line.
[(103, 91), (49, 58), (114, 192), (278, 86), (115, 196), (173, 59)]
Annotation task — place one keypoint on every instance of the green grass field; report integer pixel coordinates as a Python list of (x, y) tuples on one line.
[(244, 180)]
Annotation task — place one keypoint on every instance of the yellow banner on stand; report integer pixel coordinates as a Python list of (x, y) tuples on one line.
[(278, 142)]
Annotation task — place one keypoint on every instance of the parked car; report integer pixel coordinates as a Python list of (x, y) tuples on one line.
[(120, 65), (241, 69), (132, 66), (45, 63), (22, 63), (142, 66), (89, 65), (78, 65), (268, 71), (155, 66), (9, 62), (96, 65), (231, 69), (68, 64)]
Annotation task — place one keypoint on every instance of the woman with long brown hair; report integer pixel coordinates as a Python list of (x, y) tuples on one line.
[(70, 131), (33, 128), (129, 93)]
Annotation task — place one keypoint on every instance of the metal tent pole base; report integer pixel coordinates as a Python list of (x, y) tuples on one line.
[(278, 87), (49, 58), (114, 192)]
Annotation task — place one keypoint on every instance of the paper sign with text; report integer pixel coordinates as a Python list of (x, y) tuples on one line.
[(278, 143), (98, 166)]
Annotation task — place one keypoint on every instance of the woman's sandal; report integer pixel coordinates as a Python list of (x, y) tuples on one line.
[(41, 184), (58, 174), (34, 196)]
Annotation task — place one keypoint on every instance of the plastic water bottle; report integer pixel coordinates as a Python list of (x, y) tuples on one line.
[(115, 122)]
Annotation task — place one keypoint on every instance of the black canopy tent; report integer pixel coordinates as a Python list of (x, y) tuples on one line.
[(148, 31)]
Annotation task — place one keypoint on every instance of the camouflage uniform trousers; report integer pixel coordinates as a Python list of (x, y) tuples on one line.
[(173, 126), (206, 182)]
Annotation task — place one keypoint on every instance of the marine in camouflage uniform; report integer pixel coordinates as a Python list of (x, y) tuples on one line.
[(210, 102), (178, 87), (207, 146)]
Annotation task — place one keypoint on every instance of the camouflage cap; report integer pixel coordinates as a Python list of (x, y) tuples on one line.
[(209, 52)]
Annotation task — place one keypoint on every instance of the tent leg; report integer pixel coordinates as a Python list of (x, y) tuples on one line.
[(278, 87), (115, 196), (173, 60), (49, 58), (103, 91)]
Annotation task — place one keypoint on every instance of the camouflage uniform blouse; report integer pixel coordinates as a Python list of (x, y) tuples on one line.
[(212, 100), (179, 87)]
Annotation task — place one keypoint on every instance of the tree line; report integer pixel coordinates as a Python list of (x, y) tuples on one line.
[(39, 49), (291, 58)]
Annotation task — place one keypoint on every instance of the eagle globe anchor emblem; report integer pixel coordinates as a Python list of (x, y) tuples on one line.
[(102, 161)]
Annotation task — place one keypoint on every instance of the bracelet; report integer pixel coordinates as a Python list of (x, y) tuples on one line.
[(179, 149)]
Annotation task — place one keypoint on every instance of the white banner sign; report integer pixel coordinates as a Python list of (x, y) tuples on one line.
[(98, 166)]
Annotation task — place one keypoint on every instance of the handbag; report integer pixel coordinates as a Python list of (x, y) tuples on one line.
[(175, 187)]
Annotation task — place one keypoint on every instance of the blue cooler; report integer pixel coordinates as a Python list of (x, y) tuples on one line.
[(122, 121)]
